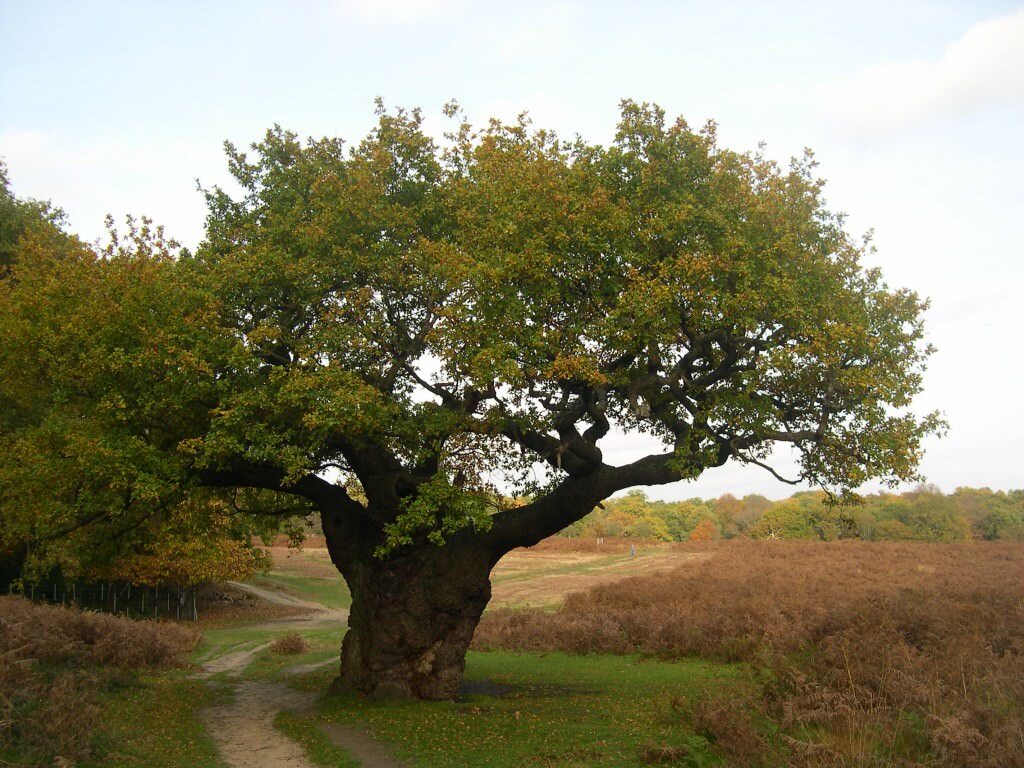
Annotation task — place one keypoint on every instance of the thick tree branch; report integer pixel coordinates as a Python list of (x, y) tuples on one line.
[(323, 494)]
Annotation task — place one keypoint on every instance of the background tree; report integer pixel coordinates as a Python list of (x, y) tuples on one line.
[(705, 530), (431, 325), (25, 225), (96, 384)]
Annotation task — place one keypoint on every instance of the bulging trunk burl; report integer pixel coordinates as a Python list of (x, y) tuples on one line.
[(412, 617)]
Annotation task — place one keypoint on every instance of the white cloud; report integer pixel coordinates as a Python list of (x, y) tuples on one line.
[(400, 11), (118, 177), (984, 68), (543, 34), (544, 111)]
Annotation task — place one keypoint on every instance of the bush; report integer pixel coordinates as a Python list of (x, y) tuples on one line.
[(290, 644), (53, 661), (69, 635)]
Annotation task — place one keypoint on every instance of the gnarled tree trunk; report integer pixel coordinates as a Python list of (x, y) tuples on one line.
[(414, 610), (413, 614)]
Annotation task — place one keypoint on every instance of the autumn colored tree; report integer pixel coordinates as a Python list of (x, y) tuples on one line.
[(392, 334), (87, 387), (705, 530)]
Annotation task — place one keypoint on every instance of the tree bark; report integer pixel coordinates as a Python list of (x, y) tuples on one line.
[(413, 612)]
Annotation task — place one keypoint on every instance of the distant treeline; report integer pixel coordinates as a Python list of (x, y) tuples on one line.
[(924, 514)]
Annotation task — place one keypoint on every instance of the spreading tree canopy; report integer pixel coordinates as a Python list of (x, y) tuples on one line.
[(407, 334)]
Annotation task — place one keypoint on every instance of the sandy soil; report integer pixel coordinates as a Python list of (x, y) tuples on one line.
[(244, 729)]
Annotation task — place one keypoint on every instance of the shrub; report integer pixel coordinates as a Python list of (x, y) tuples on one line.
[(290, 644), (53, 660), (68, 635)]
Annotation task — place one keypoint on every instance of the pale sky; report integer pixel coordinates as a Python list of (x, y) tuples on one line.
[(915, 111)]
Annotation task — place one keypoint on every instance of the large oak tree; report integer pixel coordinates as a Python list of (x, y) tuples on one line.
[(404, 335)]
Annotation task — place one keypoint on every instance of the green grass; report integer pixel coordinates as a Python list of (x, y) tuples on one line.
[(330, 591), (324, 644), (318, 747), (217, 642), (561, 711), (153, 725)]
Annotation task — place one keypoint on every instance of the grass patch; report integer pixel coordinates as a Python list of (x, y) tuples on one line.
[(548, 568), (217, 642), (322, 644), (318, 747), (559, 710), (330, 591), (153, 724)]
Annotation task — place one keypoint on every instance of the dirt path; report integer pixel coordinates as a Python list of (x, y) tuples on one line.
[(233, 662), (361, 745), (243, 728), (279, 598)]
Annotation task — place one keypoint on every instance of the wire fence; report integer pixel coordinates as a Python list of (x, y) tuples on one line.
[(117, 597)]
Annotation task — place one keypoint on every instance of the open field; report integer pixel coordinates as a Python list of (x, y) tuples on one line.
[(892, 652), (539, 577), (738, 654)]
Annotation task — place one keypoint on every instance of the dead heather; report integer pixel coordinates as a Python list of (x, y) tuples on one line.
[(50, 633), (55, 662), (291, 644), (607, 545), (871, 653)]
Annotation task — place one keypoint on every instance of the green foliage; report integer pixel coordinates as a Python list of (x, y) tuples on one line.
[(23, 220), (423, 320), (98, 377), (923, 514), (442, 509)]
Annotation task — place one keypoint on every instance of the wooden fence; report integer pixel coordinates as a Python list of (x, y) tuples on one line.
[(117, 597)]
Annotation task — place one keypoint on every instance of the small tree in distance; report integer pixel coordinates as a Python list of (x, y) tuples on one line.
[(402, 334), (705, 530)]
